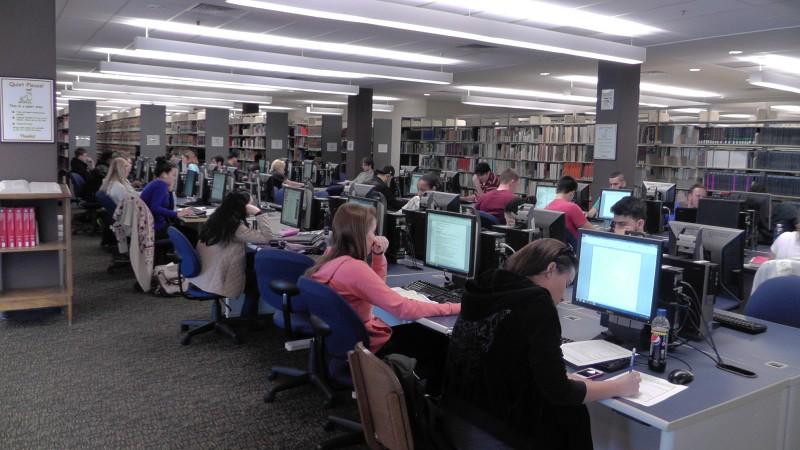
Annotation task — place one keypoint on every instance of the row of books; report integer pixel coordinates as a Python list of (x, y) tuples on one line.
[(119, 124), (668, 134), (672, 175), (255, 129), (777, 160), (62, 121), (441, 148), (726, 181), (720, 159), (308, 142), (247, 154), (672, 156), (249, 142), (540, 152), (194, 126), (62, 136), (119, 136), (739, 135), (782, 185), (511, 134), (780, 136), (18, 227), (307, 130), (186, 139)]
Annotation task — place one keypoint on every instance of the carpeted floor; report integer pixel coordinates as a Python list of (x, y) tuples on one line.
[(118, 377)]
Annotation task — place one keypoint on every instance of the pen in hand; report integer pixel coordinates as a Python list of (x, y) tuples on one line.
[(633, 359)]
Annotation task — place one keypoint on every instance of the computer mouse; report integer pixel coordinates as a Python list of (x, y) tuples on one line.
[(680, 376)]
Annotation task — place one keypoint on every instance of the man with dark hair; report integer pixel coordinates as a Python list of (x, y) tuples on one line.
[(494, 202), (615, 181), (428, 182), (82, 163), (367, 171), (574, 216), (484, 179), (382, 181), (696, 192), (219, 164), (233, 160), (630, 214)]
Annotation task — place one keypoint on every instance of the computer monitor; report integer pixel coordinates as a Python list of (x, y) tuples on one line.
[(361, 190), (412, 188), (138, 172), (582, 196), (720, 245), (292, 210), (451, 242), (219, 187), (262, 165), (686, 215), (544, 195), (375, 204), (719, 212), (654, 221), (189, 181), (761, 203), (618, 275), (552, 224), (655, 190), (443, 201), (308, 170), (609, 198)]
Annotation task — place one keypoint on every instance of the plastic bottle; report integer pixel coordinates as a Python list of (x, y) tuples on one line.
[(659, 338)]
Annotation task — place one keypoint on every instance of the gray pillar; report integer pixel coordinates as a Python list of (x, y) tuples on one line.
[(277, 135), (359, 130), (382, 142), (624, 80), (216, 133), (28, 50), (332, 138), (152, 139), (83, 123)]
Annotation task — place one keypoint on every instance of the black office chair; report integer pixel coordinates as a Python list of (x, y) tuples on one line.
[(106, 219)]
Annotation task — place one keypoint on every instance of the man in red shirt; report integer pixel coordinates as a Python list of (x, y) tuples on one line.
[(575, 218), (494, 202)]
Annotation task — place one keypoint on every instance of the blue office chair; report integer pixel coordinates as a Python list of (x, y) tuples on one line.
[(487, 220), (337, 330), (277, 194), (777, 300), (271, 265), (188, 267)]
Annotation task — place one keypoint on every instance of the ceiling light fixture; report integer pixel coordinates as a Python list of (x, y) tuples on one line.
[(688, 110), (133, 99), (164, 92), (648, 87), (384, 98), (442, 23), (780, 63), (736, 116), (323, 102), (787, 108), (694, 69), (775, 81), (544, 74), (508, 103), (221, 79), (324, 111), (530, 93), (735, 52), (382, 108), (554, 15), (194, 82), (283, 41), (426, 95), (277, 108)]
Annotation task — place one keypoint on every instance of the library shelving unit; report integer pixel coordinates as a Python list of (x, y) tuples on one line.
[(724, 156), (39, 276), (62, 138), (187, 131), (306, 139), (248, 135), (120, 132), (541, 149)]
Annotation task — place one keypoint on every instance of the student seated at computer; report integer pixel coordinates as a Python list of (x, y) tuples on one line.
[(382, 181), (222, 242), (630, 214), (615, 181), (81, 163), (427, 182), (505, 372), (696, 192), (233, 160), (344, 268), (494, 202), (219, 164), (116, 184), (367, 171), (574, 217), (278, 172), (190, 161), (157, 194)]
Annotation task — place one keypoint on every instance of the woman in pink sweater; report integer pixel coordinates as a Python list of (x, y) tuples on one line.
[(344, 268)]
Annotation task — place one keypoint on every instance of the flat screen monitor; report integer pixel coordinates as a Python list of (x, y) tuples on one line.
[(582, 196), (308, 170), (654, 221), (443, 201), (189, 181), (618, 274), (552, 224), (412, 188), (609, 198), (544, 195), (719, 212), (218, 187), (760, 202), (361, 190), (720, 245), (292, 209), (262, 165), (138, 173), (451, 242), (665, 192), (373, 203)]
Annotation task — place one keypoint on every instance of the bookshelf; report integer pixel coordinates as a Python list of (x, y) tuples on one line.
[(62, 139), (540, 149), (722, 155), (51, 284), (187, 131), (120, 132), (306, 142), (247, 135)]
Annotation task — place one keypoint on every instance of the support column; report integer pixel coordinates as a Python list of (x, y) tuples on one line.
[(277, 135), (623, 79), (331, 138), (152, 136), (217, 131), (28, 50), (82, 124), (359, 130), (382, 142)]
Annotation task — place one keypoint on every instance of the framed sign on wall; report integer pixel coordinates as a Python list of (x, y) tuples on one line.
[(27, 110)]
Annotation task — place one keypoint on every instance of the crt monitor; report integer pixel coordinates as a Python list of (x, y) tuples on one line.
[(544, 195), (412, 188), (720, 245), (551, 223), (373, 203), (292, 209), (218, 187), (189, 181), (719, 212), (451, 242), (609, 198), (618, 274), (443, 201), (308, 169), (655, 190)]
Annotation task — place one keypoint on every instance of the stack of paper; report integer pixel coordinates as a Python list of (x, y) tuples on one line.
[(586, 353)]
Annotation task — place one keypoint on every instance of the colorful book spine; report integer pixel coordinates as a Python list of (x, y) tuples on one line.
[(19, 228), (3, 241)]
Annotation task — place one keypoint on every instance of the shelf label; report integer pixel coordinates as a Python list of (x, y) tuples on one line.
[(383, 148), (331, 146), (216, 141), (83, 141), (351, 145), (153, 139), (607, 99), (27, 110)]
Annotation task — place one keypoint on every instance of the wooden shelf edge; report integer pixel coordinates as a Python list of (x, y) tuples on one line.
[(25, 295), (46, 247)]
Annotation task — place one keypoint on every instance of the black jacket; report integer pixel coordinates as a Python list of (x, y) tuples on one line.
[(392, 203), (505, 370)]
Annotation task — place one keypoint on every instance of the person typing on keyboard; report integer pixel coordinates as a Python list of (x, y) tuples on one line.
[(505, 372), (344, 268)]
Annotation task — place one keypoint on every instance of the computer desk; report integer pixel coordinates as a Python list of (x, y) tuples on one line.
[(719, 410)]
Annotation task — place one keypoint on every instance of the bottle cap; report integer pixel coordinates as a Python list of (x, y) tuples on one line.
[(661, 312)]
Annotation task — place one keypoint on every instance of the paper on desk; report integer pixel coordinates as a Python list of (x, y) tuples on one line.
[(653, 390), (412, 295), (586, 353)]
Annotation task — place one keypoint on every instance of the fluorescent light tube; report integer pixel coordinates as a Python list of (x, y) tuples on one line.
[(135, 100), (787, 108), (554, 15), (382, 108), (324, 102), (689, 110), (324, 111), (647, 87), (780, 63), (775, 81), (283, 41), (146, 91), (736, 116), (384, 98), (194, 82), (529, 93), (441, 23), (508, 103), (212, 78), (278, 108)]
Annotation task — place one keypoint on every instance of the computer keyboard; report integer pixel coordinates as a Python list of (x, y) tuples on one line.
[(435, 293), (738, 322)]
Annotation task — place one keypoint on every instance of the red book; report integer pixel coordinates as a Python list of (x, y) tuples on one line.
[(34, 233), (19, 228), (3, 243), (9, 219), (29, 228)]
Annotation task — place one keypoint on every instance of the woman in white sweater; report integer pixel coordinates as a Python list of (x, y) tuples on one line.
[(116, 184), (222, 245)]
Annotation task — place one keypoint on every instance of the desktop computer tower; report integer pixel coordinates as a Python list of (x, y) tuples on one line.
[(417, 229), (703, 277), (491, 255), (394, 228), (334, 202), (654, 222), (517, 238)]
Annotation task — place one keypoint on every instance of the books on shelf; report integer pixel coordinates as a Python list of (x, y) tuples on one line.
[(18, 227), (738, 135)]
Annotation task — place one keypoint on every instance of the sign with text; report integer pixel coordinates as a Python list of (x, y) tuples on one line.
[(605, 141), (27, 110), (332, 147)]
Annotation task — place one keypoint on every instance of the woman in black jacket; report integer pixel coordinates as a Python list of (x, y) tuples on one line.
[(505, 371)]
